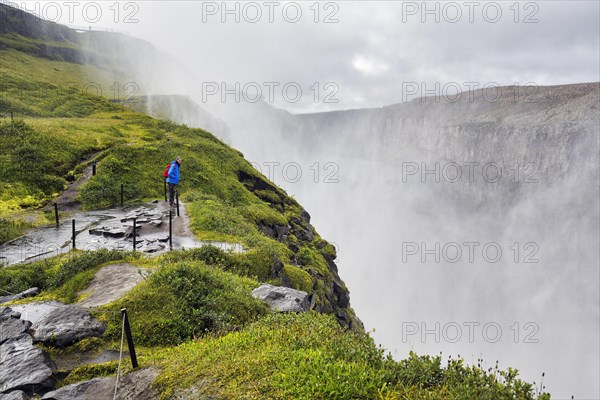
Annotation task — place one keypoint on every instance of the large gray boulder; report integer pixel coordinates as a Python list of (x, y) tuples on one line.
[(58, 324), (282, 298), (65, 324), (24, 367), (133, 386)]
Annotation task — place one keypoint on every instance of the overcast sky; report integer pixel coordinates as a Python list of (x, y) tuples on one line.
[(373, 52)]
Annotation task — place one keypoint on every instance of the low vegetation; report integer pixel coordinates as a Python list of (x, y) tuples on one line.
[(309, 356)]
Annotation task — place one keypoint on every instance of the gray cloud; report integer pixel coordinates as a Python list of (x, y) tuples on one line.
[(375, 46)]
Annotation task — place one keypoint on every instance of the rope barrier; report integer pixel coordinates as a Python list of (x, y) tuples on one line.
[(120, 357)]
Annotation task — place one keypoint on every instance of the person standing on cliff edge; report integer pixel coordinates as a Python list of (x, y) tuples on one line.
[(173, 179)]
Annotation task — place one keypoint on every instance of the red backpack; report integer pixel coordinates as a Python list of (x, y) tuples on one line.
[(166, 173)]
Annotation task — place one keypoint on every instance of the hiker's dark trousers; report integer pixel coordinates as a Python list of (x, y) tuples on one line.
[(171, 193)]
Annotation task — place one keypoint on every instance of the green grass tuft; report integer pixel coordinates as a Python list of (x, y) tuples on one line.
[(186, 300)]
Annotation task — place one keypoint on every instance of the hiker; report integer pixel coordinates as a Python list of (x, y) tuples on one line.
[(173, 179)]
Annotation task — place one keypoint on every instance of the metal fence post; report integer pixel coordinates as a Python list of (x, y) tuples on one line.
[(170, 229), (132, 355), (74, 235), (134, 232)]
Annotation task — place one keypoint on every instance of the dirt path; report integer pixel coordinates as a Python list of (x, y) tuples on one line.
[(66, 200), (111, 229), (181, 224)]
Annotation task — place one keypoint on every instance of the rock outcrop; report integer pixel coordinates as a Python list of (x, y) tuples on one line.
[(111, 283), (58, 324), (23, 367), (135, 385), (24, 294), (282, 298)]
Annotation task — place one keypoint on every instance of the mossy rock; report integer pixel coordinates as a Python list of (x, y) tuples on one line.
[(298, 278)]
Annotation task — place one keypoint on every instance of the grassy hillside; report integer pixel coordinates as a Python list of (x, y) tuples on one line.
[(58, 128), (194, 317)]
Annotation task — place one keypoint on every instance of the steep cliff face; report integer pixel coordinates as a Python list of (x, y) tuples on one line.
[(525, 128), (544, 135), (308, 253)]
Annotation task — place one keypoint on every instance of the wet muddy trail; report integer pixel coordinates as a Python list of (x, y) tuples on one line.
[(111, 229)]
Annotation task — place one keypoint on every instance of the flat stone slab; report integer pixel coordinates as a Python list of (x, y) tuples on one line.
[(111, 283), (33, 312), (153, 247), (155, 223), (26, 293), (137, 225), (113, 232), (282, 298), (97, 388)]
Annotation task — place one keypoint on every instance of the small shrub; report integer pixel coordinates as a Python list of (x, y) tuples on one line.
[(16, 279), (186, 300), (210, 255), (9, 230)]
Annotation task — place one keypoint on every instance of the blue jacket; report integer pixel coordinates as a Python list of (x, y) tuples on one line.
[(173, 173)]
